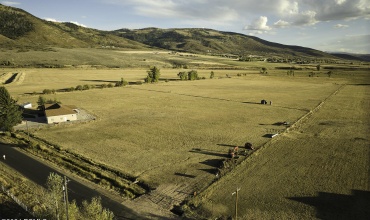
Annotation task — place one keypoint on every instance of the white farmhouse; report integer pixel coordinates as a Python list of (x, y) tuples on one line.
[(56, 113)]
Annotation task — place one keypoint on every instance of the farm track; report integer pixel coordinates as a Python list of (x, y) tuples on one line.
[(167, 196)]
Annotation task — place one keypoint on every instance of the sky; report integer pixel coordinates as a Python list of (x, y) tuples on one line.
[(326, 25)]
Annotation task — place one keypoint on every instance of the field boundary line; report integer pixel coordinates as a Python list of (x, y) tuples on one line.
[(294, 126), (300, 121)]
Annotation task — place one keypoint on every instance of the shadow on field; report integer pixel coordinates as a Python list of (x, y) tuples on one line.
[(213, 162), (339, 206), (185, 175), (98, 80), (252, 103), (208, 152), (211, 171), (228, 145)]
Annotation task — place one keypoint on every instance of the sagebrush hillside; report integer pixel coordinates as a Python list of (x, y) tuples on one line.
[(19, 29), (213, 41), (23, 31)]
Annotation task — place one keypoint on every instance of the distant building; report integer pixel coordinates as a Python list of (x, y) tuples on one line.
[(26, 105), (56, 113)]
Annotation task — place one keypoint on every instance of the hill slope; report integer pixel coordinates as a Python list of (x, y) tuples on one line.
[(20, 29), (212, 41)]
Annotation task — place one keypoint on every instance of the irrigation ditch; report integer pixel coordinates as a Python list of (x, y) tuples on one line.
[(106, 177)]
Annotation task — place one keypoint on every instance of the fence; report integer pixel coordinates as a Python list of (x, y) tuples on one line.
[(15, 199)]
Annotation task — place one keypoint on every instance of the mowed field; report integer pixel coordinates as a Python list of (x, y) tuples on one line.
[(319, 170), (172, 134)]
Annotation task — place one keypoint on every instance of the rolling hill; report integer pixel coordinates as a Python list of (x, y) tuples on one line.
[(212, 41), (19, 29), (23, 31)]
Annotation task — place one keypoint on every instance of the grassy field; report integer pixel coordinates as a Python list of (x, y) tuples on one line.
[(320, 170), (173, 134)]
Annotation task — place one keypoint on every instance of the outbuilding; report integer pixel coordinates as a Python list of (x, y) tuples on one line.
[(56, 113)]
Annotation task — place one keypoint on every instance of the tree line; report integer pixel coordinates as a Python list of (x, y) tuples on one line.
[(54, 204)]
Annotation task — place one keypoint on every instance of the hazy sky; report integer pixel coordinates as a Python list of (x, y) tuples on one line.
[(327, 25)]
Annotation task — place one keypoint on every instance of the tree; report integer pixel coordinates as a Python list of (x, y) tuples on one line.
[(10, 112), (318, 67), (153, 75), (192, 75), (54, 204), (95, 210), (54, 199), (41, 103), (263, 70), (212, 75), (182, 75), (79, 87), (329, 73), (121, 83)]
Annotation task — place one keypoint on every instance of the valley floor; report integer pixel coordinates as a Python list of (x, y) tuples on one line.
[(318, 170)]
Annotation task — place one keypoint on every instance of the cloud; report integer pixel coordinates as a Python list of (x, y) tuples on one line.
[(285, 13), (341, 26), (329, 10), (191, 11), (9, 3), (259, 24), (281, 24), (52, 20), (73, 22), (76, 23), (346, 44)]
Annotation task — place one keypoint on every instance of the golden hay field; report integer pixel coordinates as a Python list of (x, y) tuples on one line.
[(173, 133), (320, 170), (147, 130)]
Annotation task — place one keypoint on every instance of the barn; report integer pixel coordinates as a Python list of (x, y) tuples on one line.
[(56, 113)]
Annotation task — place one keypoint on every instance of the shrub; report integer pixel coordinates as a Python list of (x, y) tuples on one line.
[(153, 75), (46, 91), (182, 75), (71, 89), (192, 75), (121, 83), (79, 87)]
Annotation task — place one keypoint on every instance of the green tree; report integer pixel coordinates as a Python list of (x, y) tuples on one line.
[(41, 103), (54, 198), (121, 83), (192, 75), (95, 210), (10, 112), (79, 87), (153, 75), (212, 75), (318, 67), (182, 75)]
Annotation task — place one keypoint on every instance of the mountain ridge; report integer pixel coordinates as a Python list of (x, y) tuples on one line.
[(20, 29)]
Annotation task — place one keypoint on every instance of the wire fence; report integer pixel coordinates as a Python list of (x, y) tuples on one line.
[(16, 200)]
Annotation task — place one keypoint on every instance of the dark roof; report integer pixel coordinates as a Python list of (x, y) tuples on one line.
[(59, 109)]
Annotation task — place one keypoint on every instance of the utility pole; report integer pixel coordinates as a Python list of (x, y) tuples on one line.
[(28, 132), (65, 189), (236, 202)]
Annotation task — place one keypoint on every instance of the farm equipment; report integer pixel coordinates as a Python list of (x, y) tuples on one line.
[(248, 146), (233, 152)]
